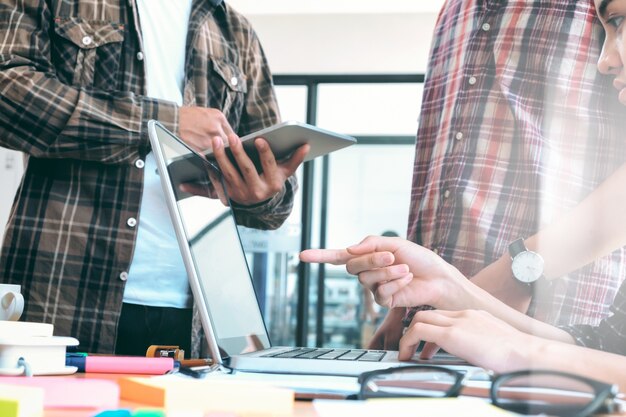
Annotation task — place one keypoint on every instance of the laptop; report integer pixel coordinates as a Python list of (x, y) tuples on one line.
[(221, 282)]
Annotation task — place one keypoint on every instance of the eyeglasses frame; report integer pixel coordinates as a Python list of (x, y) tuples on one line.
[(453, 391), (604, 393)]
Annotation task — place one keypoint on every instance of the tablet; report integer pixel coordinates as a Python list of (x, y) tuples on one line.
[(284, 138)]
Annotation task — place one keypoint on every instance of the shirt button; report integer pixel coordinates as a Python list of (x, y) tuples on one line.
[(124, 276), (140, 163), (472, 80), (486, 27), (459, 135), (446, 194), (139, 56), (87, 40), (132, 222), (234, 81)]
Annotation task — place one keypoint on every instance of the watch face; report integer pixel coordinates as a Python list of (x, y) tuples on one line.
[(527, 266)]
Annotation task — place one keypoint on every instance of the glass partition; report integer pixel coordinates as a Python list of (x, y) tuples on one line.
[(354, 192)]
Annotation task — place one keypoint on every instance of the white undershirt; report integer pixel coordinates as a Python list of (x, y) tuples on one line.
[(157, 275)]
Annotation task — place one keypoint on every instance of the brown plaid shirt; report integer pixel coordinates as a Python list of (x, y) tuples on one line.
[(73, 101)]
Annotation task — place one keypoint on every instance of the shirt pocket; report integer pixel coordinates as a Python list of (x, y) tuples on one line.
[(87, 53), (229, 89)]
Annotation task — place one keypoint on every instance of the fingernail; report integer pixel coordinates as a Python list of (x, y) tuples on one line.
[(387, 257)]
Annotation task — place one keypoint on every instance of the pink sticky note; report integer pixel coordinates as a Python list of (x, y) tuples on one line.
[(60, 392), (128, 365)]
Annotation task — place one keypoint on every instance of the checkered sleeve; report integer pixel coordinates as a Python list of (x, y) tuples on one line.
[(610, 335), (43, 116)]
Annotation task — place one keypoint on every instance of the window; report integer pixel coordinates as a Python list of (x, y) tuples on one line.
[(361, 190)]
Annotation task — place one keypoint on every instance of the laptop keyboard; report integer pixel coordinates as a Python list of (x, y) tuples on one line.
[(330, 354)]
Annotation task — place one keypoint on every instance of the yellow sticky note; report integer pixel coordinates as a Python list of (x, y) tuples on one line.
[(177, 394), (16, 401)]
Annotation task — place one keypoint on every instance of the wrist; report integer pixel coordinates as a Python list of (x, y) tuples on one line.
[(459, 293), (526, 352), (497, 279)]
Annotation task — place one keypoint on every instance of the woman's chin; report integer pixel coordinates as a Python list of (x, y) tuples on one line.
[(622, 96)]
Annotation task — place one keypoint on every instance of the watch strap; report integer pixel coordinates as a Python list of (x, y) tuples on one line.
[(517, 247)]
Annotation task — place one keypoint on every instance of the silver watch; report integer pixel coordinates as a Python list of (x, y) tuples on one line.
[(526, 265)]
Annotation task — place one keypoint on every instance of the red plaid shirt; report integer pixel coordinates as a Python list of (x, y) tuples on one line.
[(517, 127)]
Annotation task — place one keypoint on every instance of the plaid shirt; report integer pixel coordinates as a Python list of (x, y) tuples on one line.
[(610, 335), (517, 127), (73, 100)]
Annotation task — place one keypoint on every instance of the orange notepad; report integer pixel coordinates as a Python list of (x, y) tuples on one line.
[(179, 394)]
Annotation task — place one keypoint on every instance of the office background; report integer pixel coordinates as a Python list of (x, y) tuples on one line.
[(356, 67)]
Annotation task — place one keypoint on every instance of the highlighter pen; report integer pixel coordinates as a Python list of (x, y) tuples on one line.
[(120, 364)]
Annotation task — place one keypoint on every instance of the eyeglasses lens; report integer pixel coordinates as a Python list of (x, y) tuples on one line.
[(410, 383), (550, 394)]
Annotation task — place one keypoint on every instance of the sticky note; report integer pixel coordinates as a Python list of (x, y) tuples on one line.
[(176, 394), (114, 413), (149, 413), (61, 392), (21, 401)]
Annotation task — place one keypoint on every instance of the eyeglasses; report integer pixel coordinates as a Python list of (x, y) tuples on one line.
[(525, 392)]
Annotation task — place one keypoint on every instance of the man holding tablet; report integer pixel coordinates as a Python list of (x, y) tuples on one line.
[(89, 238)]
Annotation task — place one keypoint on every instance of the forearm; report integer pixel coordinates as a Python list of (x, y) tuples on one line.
[(603, 366), (483, 300), (42, 117), (593, 229), (497, 279)]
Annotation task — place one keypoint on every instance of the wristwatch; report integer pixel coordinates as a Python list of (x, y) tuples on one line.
[(527, 266)]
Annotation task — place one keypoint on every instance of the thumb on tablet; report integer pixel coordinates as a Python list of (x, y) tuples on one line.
[(291, 164)]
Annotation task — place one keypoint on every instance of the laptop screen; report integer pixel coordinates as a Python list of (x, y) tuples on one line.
[(219, 272)]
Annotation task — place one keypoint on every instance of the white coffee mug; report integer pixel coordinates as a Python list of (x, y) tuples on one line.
[(11, 302)]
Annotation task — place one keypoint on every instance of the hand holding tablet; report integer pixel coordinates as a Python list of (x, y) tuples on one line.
[(284, 138)]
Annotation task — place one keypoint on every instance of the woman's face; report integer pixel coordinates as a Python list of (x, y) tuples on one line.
[(612, 14)]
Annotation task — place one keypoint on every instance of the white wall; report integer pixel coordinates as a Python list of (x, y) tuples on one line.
[(345, 43), (326, 36), (254, 7), (10, 176)]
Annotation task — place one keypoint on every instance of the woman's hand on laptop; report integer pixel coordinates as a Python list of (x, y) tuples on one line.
[(462, 333), (245, 184)]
